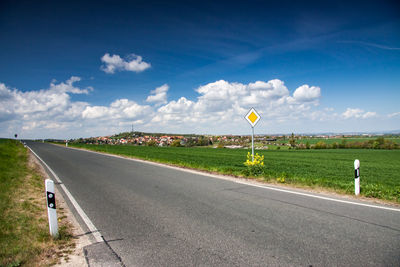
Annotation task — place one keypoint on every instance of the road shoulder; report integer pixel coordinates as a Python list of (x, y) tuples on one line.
[(86, 252), (76, 257)]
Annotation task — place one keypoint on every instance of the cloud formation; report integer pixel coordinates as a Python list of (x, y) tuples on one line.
[(52, 112), (219, 108), (115, 63), (159, 95), (396, 114), (33, 105), (119, 110), (358, 113), (222, 104)]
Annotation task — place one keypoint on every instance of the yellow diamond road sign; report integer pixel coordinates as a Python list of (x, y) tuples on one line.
[(252, 117)]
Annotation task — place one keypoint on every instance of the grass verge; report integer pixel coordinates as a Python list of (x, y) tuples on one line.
[(24, 233)]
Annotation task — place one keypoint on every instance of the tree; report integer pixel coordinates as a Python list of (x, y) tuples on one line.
[(190, 142), (335, 145), (152, 143), (307, 145), (380, 140), (292, 140), (343, 143), (320, 145), (176, 143), (202, 141)]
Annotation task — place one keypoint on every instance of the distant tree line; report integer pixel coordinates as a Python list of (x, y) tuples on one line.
[(378, 143)]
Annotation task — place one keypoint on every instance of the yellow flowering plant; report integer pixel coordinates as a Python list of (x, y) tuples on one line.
[(254, 167)]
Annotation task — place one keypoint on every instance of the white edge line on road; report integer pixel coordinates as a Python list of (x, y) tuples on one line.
[(245, 183), (321, 197), (96, 234)]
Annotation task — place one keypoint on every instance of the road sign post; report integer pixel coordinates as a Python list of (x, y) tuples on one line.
[(357, 177), (51, 207), (252, 143), (252, 117)]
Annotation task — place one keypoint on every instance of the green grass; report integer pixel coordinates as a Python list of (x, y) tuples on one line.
[(19, 230), (332, 169), (311, 141), (24, 233)]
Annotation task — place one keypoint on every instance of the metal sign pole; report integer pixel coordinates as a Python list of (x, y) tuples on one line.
[(252, 143)]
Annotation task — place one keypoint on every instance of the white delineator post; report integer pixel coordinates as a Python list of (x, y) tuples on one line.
[(357, 177), (66, 143), (51, 207)]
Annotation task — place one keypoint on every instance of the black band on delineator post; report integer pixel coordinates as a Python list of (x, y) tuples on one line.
[(51, 200)]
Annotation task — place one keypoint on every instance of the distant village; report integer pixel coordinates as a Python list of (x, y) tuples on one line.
[(151, 139), (238, 141)]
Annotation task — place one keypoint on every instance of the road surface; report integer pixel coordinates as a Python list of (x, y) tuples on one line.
[(157, 216)]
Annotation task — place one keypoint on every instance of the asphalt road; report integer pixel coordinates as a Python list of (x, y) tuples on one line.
[(157, 216)]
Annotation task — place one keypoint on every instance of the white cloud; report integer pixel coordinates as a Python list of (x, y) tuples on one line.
[(95, 112), (396, 114), (225, 103), (369, 114), (45, 109), (51, 111), (132, 62), (306, 93), (218, 108), (54, 101), (358, 113), (159, 95), (220, 105), (121, 109), (352, 113)]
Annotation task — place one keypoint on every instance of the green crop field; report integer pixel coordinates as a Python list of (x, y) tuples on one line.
[(339, 140), (332, 169)]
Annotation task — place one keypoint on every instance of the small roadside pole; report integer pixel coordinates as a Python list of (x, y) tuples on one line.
[(51, 207), (357, 177), (66, 143), (252, 117)]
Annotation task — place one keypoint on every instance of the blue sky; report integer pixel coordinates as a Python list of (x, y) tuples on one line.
[(78, 69)]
